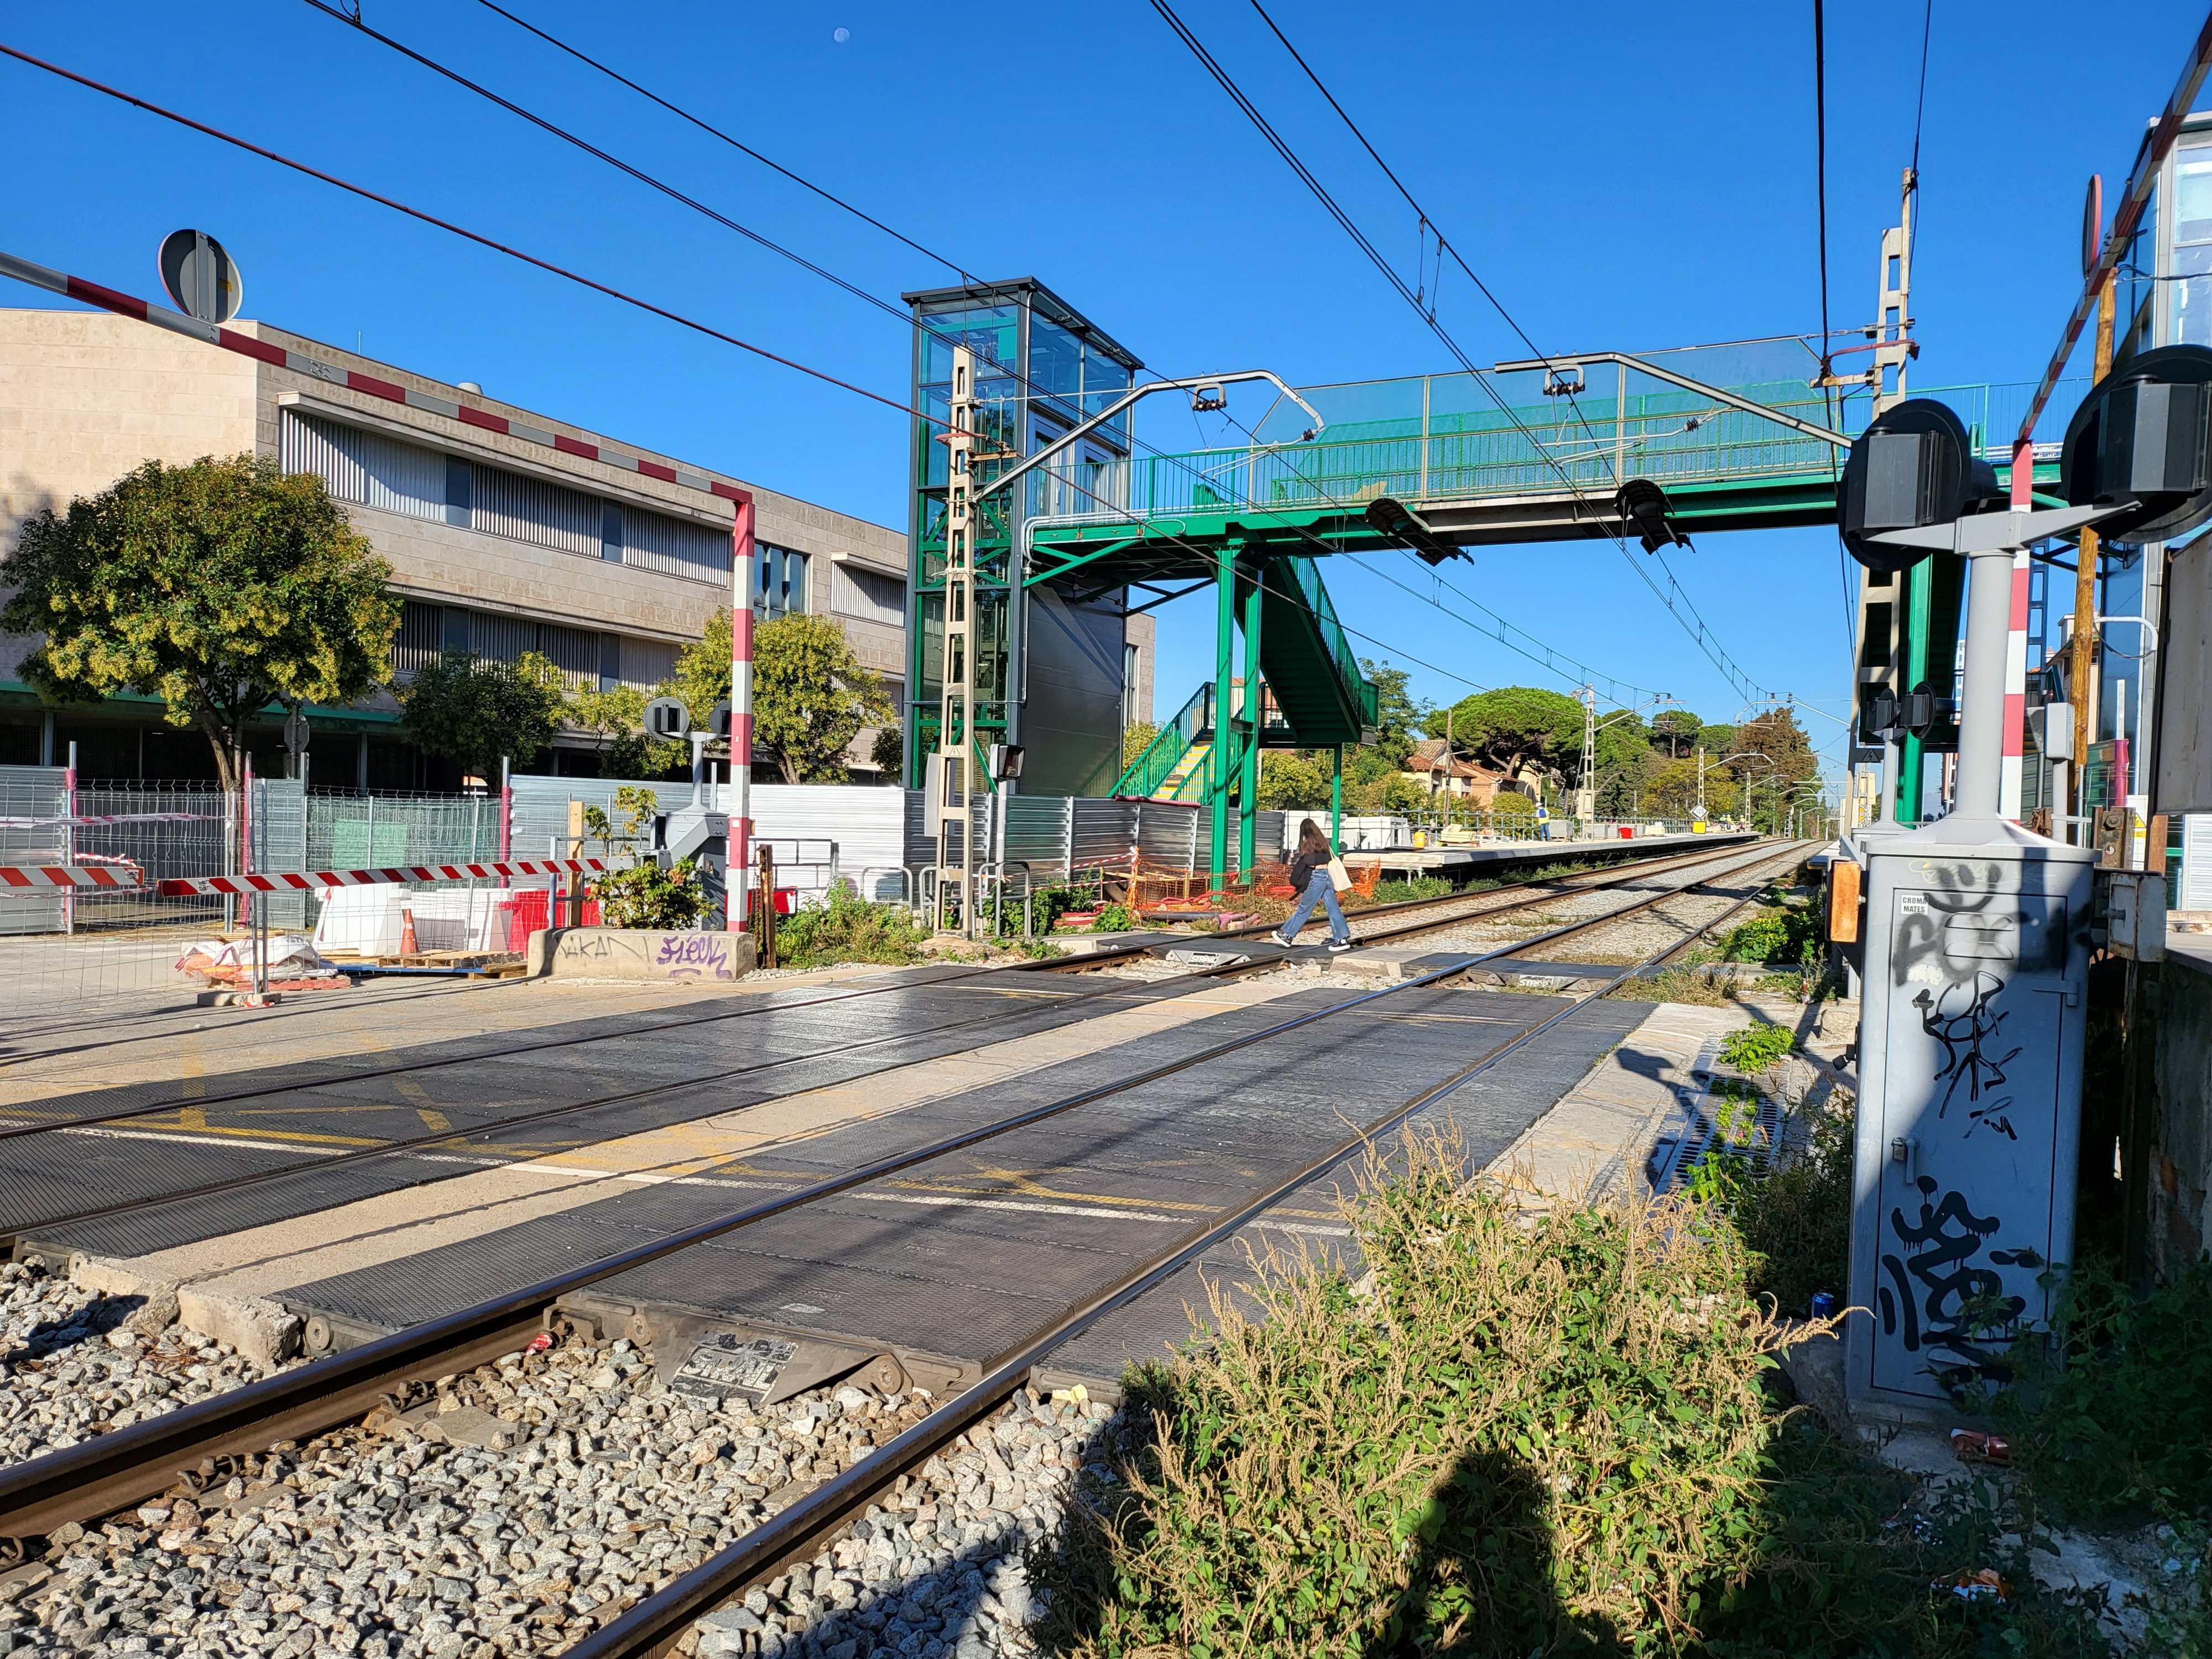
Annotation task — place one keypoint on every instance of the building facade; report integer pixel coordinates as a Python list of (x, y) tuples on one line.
[(507, 531)]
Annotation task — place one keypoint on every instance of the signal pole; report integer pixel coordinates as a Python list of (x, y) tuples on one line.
[(1586, 796), (952, 774)]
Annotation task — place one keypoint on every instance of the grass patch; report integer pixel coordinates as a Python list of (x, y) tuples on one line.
[(1513, 1436), (1673, 985), (1397, 891), (1792, 930), (842, 926)]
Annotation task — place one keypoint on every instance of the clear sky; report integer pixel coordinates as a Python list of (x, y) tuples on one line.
[(1623, 175)]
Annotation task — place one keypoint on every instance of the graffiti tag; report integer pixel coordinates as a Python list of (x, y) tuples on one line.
[(1957, 1307), (1968, 1035), (691, 956)]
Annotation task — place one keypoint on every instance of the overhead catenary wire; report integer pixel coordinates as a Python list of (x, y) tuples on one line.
[(151, 108), (1673, 597), (556, 130)]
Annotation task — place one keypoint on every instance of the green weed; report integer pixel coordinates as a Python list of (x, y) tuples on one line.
[(842, 926), (1756, 1047)]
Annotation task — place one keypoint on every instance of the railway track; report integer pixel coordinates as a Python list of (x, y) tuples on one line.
[(55, 1493), (27, 1201)]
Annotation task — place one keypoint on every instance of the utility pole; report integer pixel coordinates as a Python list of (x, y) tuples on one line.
[(1701, 783), (1885, 596), (1586, 796), (953, 771), (2085, 622)]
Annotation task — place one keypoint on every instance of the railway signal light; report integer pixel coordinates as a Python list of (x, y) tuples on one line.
[(1912, 468), (2142, 442)]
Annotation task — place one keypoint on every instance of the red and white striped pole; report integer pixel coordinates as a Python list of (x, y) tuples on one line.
[(738, 877), (68, 837)]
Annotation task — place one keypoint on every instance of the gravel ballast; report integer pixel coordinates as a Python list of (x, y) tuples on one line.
[(520, 1506), (75, 1362)]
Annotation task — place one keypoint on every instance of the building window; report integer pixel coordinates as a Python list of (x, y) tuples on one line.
[(872, 595), (782, 583), (419, 638), (375, 471)]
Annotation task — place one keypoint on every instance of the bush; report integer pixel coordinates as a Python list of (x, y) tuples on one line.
[(1426, 1464), (1796, 1217), (842, 926), (1116, 919), (1397, 890), (1512, 803), (1513, 1436), (2114, 1421), (646, 895), (1790, 933)]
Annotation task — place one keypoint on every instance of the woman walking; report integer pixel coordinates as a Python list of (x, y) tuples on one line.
[(1311, 878)]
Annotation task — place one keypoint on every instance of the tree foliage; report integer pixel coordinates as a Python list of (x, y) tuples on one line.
[(616, 718), (1291, 781), (1517, 725), (1675, 731), (219, 587), (473, 710), (1399, 718), (810, 696), (1136, 737)]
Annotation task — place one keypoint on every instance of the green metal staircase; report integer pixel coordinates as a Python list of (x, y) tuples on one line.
[(1313, 692)]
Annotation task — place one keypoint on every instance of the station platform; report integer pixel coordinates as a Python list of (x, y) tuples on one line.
[(1465, 863)]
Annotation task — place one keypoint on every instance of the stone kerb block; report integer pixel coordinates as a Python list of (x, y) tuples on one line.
[(641, 954)]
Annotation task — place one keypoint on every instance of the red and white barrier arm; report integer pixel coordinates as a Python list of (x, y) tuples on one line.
[(184, 886), (65, 875), (246, 345)]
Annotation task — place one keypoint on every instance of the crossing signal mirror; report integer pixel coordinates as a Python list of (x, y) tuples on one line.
[(1914, 467), (2142, 442), (718, 719), (667, 717)]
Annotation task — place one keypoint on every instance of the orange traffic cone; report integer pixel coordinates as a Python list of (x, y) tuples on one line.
[(408, 946)]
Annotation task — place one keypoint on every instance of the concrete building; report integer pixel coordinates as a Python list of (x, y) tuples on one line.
[(507, 531)]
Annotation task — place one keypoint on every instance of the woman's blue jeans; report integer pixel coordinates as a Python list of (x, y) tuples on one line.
[(1320, 890)]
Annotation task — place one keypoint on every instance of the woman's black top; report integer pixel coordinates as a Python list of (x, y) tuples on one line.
[(1304, 866)]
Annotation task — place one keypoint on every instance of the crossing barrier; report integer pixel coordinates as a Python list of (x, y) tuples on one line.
[(300, 882), (68, 875)]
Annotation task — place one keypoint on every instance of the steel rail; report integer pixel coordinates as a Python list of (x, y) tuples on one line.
[(13, 1232), (794, 1533), (654, 1028), (115, 1470)]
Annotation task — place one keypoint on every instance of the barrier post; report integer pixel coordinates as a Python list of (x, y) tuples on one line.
[(68, 837), (738, 845), (506, 813)]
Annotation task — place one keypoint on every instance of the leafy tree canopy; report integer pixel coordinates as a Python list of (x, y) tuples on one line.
[(473, 709), (1777, 735), (1399, 718), (1672, 790), (1291, 781), (1519, 724), (616, 718), (219, 587), (810, 696), (1675, 731)]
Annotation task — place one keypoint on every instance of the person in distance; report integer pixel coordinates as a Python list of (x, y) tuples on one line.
[(1314, 875)]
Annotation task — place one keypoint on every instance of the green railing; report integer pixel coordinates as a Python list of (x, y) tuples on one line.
[(1358, 690), (1165, 751), (1399, 439)]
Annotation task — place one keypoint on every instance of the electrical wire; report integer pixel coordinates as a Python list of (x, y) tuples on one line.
[(1200, 553), (556, 130), (1673, 597), (683, 114), (477, 237)]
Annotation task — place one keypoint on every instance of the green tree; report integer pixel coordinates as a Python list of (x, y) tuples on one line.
[(889, 750), (1399, 718), (1518, 726), (810, 696), (1672, 790), (1788, 758), (219, 587), (1675, 731), (1136, 737), (616, 720), (475, 710), (1291, 781)]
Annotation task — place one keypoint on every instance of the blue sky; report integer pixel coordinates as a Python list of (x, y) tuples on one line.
[(1624, 176)]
